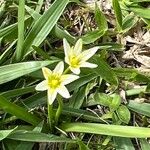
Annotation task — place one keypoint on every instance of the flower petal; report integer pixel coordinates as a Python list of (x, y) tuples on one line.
[(88, 65), (63, 91), (66, 47), (59, 68), (51, 95), (66, 79), (78, 47), (75, 70), (46, 72), (89, 53), (42, 86)]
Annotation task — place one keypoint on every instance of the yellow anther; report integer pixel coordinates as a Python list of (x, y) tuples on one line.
[(74, 61)]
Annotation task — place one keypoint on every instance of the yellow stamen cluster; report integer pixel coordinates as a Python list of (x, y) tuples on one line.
[(54, 81), (74, 61)]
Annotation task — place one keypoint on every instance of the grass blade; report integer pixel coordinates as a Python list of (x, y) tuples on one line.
[(32, 136), (118, 13), (5, 133), (17, 111), (112, 130), (13, 71), (44, 25), (21, 18)]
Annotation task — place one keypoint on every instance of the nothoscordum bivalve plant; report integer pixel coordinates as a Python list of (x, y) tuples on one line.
[(55, 82), (75, 58)]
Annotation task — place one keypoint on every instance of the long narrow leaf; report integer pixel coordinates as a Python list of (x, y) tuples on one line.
[(32, 136), (44, 25), (13, 71), (5, 133), (118, 13), (21, 18), (113, 130), (18, 111)]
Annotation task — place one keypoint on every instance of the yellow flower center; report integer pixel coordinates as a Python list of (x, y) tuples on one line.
[(74, 61), (54, 81)]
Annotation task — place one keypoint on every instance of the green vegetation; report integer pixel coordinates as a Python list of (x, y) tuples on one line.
[(74, 74)]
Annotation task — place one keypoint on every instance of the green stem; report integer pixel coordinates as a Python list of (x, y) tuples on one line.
[(50, 117), (67, 70), (59, 110)]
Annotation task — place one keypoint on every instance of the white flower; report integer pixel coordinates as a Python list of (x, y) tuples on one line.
[(75, 58), (55, 82)]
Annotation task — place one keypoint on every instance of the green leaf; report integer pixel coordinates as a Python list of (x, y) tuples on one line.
[(82, 146), (13, 71), (32, 136), (28, 145), (77, 99), (5, 133), (103, 99), (144, 144), (128, 22), (118, 13), (105, 129), (44, 25), (116, 101), (142, 12), (141, 108), (21, 18), (123, 143), (18, 92), (100, 19), (92, 36), (123, 114), (56, 31), (41, 52), (4, 56), (81, 81), (18, 111), (105, 71), (7, 30)]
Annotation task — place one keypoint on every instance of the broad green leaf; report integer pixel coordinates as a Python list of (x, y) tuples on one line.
[(123, 143), (105, 129), (105, 71), (141, 108), (5, 133), (125, 72), (100, 19), (103, 99), (123, 114), (32, 136), (116, 101), (13, 71), (92, 36), (118, 13), (21, 18), (144, 144), (142, 12), (18, 111), (44, 25)]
